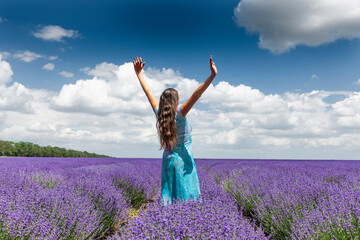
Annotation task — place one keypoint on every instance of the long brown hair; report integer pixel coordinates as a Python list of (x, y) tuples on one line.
[(165, 124)]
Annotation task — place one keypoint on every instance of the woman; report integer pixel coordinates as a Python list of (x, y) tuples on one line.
[(179, 179)]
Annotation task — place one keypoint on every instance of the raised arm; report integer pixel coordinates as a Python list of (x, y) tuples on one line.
[(138, 66), (185, 108)]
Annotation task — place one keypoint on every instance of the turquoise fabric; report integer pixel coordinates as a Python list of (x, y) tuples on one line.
[(179, 178)]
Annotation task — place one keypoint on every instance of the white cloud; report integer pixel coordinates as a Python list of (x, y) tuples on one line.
[(55, 33), (86, 96), (282, 25), (39, 127), (115, 88), (85, 70), (242, 98), (109, 113), (277, 142), (28, 56), (237, 116), (4, 55), (49, 66), (103, 70), (5, 71), (2, 20), (314, 76), (16, 98), (66, 74), (350, 106), (357, 82), (289, 121), (112, 88), (51, 58)]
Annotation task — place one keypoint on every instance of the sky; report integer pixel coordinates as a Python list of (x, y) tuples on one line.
[(288, 83)]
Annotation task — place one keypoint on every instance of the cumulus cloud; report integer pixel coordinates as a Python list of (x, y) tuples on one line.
[(103, 70), (4, 55), (242, 98), (66, 74), (90, 96), (51, 58), (237, 116), (16, 98), (28, 56), (350, 106), (114, 88), (111, 89), (5, 71), (48, 66), (357, 82), (288, 121), (107, 112), (85, 70), (55, 33), (40, 127), (282, 25)]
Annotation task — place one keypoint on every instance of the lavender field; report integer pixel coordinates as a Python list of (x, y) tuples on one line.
[(72, 198)]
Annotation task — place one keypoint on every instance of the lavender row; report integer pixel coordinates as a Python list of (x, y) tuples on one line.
[(296, 199), (214, 216), (70, 198), (84, 198)]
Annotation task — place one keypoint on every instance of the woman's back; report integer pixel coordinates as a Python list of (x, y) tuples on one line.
[(183, 133)]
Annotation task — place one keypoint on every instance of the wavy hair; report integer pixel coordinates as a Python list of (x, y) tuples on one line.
[(165, 124)]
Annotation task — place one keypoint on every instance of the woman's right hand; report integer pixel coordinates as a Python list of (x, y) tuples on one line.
[(138, 65), (213, 67)]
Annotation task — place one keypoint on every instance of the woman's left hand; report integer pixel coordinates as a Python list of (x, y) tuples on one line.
[(213, 67), (138, 65)]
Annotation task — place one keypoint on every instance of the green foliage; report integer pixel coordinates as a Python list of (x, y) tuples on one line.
[(27, 149), (248, 204), (45, 184), (136, 195), (334, 231)]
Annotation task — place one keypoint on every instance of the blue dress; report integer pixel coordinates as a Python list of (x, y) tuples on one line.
[(179, 178)]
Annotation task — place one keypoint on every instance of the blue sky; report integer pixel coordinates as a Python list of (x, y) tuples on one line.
[(174, 34), (278, 51)]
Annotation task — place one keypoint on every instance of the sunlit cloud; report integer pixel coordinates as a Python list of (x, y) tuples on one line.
[(283, 25), (49, 66), (5, 71), (55, 33), (66, 74), (28, 56), (109, 110), (51, 58)]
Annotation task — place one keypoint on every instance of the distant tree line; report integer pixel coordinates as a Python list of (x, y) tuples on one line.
[(27, 149)]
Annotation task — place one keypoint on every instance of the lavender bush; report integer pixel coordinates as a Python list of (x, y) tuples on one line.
[(214, 216), (296, 199), (55, 198), (67, 198)]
